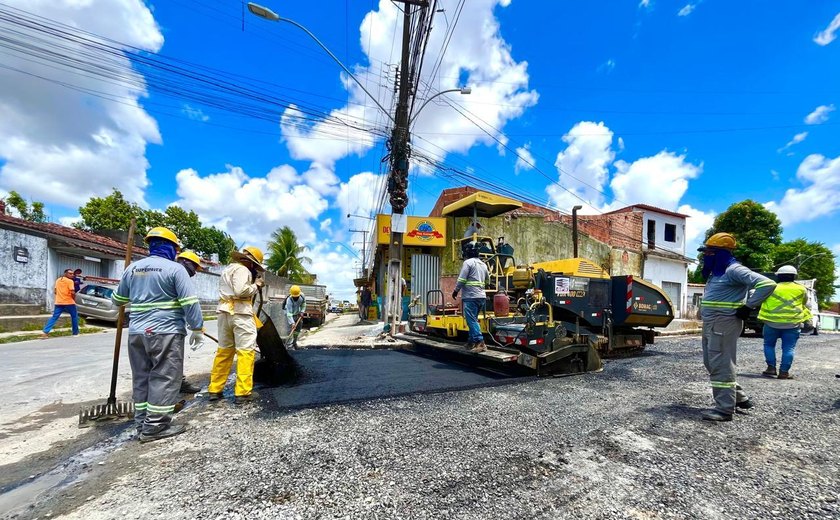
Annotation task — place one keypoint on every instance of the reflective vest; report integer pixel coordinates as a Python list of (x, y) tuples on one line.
[(787, 304)]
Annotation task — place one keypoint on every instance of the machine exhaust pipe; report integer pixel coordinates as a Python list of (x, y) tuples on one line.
[(575, 230)]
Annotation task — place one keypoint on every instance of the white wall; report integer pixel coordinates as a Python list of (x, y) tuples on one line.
[(19, 282), (658, 270), (678, 246)]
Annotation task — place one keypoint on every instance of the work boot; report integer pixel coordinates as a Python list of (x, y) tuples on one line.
[(214, 396), (716, 416), (770, 372), (745, 405), (170, 430), (189, 388), (243, 399), (479, 347), (469, 345), (785, 375)]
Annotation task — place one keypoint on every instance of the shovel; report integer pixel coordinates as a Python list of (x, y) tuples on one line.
[(112, 409)]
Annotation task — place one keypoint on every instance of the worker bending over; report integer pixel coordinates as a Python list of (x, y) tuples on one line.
[(783, 312), (473, 278), (724, 308), (162, 299), (237, 325), (295, 305), (192, 263)]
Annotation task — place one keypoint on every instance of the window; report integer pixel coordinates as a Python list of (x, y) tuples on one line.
[(670, 232), (651, 234), (97, 291)]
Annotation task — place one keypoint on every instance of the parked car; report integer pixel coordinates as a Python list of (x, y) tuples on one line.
[(94, 301)]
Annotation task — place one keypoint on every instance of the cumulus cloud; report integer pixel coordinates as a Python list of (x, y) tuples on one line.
[(250, 208), (645, 4), (325, 224), (687, 9), (358, 196), (819, 196), (666, 170), (336, 268), (798, 138), (819, 115), (695, 226), (829, 34), (61, 145), (583, 166), (524, 160)]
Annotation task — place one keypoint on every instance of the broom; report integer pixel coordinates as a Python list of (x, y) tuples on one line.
[(112, 409)]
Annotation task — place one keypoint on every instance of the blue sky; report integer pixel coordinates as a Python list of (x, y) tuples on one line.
[(690, 106)]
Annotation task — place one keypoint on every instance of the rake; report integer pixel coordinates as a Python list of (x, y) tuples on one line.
[(112, 410)]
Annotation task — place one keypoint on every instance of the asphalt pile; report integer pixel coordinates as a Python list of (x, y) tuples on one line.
[(624, 443)]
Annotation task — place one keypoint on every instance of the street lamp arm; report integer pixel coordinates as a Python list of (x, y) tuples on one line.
[(463, 90), (268, 14)]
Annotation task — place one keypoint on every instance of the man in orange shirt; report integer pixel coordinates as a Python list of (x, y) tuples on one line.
[(65, 301)]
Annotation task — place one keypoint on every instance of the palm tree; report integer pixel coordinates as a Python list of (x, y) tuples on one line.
[(286, 255)]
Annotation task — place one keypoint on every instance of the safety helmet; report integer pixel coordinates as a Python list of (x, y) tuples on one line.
[(720, 241), (164, 233), (787, 269), (252, 254), (294, 291), (190, 255), (471, 250)]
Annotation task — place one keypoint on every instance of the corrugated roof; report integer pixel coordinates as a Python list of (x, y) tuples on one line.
[(648, 207), (83, 239)]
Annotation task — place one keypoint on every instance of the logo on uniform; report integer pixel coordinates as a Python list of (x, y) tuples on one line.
[(425, 231)]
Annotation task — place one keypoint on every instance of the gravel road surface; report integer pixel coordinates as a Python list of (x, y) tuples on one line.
[(624, 443)]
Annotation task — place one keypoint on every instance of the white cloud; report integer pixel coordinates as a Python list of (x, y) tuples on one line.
[(667, 171), (195, 113), (325, 224), (607, 66), (336, 268), (828, 35), (60, 145), (524, 160), (695, 227), (359, 196), (644, 4), (686, 10), (820, 195), (774, 174), (798, 138), (325, 141), (250, 208), (69, 221), (583, 166), (819, 115)]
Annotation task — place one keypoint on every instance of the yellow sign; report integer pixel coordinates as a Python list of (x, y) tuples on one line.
[(420, 231)]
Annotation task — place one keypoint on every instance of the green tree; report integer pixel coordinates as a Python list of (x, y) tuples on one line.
[(756, 229), (209, 240), (112, 212), (286, 255), (33, 212), (812, 260)]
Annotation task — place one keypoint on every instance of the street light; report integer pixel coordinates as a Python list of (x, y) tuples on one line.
[(463, 91), (359, 216), (268, 14)]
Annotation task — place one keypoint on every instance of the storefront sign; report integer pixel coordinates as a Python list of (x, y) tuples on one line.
[(420, 231)]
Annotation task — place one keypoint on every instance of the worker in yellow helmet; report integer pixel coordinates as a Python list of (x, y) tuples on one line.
[(192, 263), (162, 302), (239, 282), (295, 305)]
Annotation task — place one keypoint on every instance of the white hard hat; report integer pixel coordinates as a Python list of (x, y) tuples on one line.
[(787, 269)]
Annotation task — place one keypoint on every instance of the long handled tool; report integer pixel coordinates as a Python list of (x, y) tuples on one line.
[(112, 409)]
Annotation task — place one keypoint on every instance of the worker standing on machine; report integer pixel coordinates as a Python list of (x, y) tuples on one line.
[(238, 284), (162, 299), (724, 308), (295, 305), (473, 278)]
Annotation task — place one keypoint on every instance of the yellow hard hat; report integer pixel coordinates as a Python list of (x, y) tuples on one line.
[(252, 254), (192, 257), (164, 233), (294, 291), (721, 241)]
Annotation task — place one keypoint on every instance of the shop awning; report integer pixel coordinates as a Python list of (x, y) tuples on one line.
[(481, 204)]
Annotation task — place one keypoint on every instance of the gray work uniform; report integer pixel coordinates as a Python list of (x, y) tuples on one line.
[(162, 299), (721, 328), (472, 279), (294, 308)]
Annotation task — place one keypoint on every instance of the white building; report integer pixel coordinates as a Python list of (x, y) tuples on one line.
[(663, 249)]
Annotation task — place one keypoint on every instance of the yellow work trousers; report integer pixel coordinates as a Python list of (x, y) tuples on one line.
[(237, 335)]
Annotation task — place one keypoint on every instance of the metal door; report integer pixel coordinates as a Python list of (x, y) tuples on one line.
[(88, 267), (425, 277)]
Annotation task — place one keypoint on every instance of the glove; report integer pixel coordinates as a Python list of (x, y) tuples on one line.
[(259, 282), (197, 339), (454, 294), (743, 312)]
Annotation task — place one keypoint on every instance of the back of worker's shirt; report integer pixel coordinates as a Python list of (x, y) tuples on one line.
[(236, 290), (161, 295), (473, 278), (724, 294)]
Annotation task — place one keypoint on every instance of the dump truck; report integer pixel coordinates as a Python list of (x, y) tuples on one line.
[(563, 315)]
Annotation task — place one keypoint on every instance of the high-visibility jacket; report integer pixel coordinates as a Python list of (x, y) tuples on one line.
[(473, 278), (724, 294), (788, 305), (236, 290), (161, 295)]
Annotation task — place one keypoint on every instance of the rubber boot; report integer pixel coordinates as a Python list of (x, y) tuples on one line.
[(244, 373), (745, 405), (716, 416), (188, 388), (221, 369), (479, 347), (469, 345), (170, 430), (785, 375), (770, 372)]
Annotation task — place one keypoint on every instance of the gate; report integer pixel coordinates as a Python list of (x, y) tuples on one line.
[(425, 277)]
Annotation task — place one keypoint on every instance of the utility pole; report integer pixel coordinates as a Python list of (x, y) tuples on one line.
[(398, 178), (364, 233)]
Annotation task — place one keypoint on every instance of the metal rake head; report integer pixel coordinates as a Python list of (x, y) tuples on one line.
[(105, 412)]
